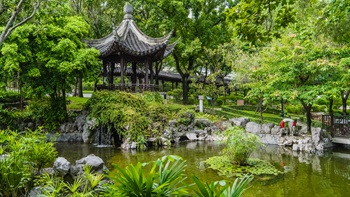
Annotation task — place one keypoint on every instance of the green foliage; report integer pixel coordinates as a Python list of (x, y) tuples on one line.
[(221, 188), (240, 145), (9, 96), (23, 154), (185, 116), (164, 179), (176, 94), (294, 109), (130, 114), (48, 112), (225, 167), (152, 97), (84, 185)]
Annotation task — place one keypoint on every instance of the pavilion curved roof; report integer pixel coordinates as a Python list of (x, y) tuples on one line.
[(129, 40)]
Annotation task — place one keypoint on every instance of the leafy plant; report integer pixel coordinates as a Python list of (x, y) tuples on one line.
[(24, 154), (221, 188), (164, 179), (240, 145)]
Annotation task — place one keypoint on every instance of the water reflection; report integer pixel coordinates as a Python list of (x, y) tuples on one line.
[(326, 174)]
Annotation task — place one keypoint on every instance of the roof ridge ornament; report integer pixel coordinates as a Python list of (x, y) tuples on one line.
[(115, 34), (128, 11)]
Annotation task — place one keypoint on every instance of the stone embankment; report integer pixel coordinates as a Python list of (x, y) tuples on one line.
[(199, 129)]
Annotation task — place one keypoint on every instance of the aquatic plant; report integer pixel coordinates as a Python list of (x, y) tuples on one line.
[(240, 145), (225, 167)]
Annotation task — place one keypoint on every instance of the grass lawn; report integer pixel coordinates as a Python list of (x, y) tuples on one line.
[(76, 103)]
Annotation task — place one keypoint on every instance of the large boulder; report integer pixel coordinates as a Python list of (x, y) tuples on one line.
[(88, 126), (253, 127), (91, 160), (266, 128), (61, 165), (241, 122), (201, 123)]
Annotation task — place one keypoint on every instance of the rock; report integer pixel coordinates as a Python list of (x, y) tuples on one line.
[(253, 127), (295, 147), (77, 170), (266, 128), (89, 124), (192, 136), (36, 191), (276, 130), (172, 123), (61, 165), (241, 122), (133, 145), (80, 121), (316, 135), (269, 138), (201, 123), (91, 160)]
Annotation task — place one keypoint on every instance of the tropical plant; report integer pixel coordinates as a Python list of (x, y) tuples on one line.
[(240, 145), (164, 179), (24, 154), (221, 188), (84, 185)]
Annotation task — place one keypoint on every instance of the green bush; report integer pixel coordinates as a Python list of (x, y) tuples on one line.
[(166, 178), (130, 114), (240, 145), (9, 96), (176, 93), (24, 155)]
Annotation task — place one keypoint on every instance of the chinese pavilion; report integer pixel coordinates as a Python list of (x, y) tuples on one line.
[(128, 44)]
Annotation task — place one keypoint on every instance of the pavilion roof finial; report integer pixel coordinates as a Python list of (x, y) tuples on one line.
[(128, 11)]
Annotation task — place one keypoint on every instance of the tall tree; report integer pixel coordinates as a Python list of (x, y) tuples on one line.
[(15, 14), (197, 24), (334, 23), (48, 55)]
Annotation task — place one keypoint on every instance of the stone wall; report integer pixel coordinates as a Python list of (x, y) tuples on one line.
[(201, 129)]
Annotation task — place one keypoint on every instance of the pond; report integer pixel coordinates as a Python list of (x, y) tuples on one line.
[(318, 175)]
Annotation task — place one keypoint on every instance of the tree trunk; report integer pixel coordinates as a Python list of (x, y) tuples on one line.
[(185, 89), (344, 98), (80, 87), (307, 108)]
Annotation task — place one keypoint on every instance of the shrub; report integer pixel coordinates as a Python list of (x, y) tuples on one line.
[(240, 145), (176, 93), (164, 179), (25, 154)]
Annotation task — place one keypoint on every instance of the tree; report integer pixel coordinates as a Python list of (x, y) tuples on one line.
[(48, 56), (258, 21), (333, 23), (297, 67), (198, 24), (21, 13)]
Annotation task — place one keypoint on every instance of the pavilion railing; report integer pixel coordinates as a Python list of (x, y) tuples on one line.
[(339, 126), (130, 87)]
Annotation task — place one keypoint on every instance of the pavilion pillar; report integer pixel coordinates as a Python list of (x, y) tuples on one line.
[(111, 72), (104, 74), (146, 73), (122, 66), (162, 85), (133, 77), (151, 74)]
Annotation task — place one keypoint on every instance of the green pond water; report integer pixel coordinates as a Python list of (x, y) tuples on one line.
[(314, 175)]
